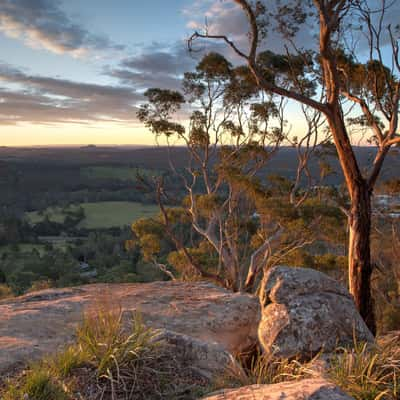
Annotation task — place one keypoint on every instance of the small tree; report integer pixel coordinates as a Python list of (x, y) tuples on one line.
[(346, 83), (234, 129)]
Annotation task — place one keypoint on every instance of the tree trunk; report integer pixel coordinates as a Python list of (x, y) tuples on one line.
[(360, 267)]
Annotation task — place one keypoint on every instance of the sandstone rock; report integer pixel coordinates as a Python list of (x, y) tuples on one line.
[(204, 358), (307, 389), (42, 322), (306, 311)]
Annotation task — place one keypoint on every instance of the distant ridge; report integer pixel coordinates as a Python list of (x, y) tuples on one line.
[(157, 157)]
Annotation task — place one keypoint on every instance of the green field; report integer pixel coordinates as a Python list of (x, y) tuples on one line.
[(100, 215), (116, 173)]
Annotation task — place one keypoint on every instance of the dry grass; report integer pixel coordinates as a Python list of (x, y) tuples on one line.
[(131, 364), (369, 373), (265, 369), (365, 372), (36, 384)]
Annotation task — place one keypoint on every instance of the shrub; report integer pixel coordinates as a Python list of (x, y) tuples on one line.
[(5, 291), (40, 285), (389, 318)]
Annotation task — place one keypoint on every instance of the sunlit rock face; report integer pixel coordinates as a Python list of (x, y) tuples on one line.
[(206, 359), (307, 389), (304, 312), (45, 321)]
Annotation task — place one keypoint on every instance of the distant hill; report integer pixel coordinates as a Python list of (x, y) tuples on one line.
[(283, 163)]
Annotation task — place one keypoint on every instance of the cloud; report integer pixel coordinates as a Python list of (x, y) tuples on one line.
[(32, 98), (38, 99), (164, 62), (159, 65), (227, 18), (42, 23)]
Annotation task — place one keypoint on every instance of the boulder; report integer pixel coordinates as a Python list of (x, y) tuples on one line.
[(204, 358), (304, 311), (307, 389), (45, 321)]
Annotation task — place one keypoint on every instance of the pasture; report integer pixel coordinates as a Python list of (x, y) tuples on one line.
[(99, 215)]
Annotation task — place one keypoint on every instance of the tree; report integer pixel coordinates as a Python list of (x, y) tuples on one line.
[(234, 129), (372, 86)]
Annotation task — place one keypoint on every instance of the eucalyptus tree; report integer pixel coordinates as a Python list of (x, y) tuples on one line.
[(233, 130), (357, 67)]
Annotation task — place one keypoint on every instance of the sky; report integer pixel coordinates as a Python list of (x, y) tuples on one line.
[(74, 72)]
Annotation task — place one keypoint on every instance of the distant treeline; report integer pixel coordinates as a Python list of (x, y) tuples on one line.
[(34, 179)]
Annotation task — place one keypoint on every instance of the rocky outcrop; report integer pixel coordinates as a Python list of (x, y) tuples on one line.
[(308, 389), (306, 311), (205, 359), (42, 322)]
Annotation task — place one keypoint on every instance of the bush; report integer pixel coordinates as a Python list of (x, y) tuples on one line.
[(389, 318), (5, 291), (40, 285)]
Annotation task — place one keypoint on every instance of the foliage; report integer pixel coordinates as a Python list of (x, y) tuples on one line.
[(23, 269), (387, 273), (40, 285), (390, 187), (5, 291), (204, 255), (234, 129)]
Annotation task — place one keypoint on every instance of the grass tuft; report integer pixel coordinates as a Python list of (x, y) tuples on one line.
[(266, 369), (368, 373), (36, 384), (112, 359), (131, 363), (64, 363), (365, 372)]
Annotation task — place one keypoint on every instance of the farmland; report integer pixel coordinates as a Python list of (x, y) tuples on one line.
[(99, 215)]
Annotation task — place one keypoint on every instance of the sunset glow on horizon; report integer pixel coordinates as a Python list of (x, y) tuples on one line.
[(74, 72)]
